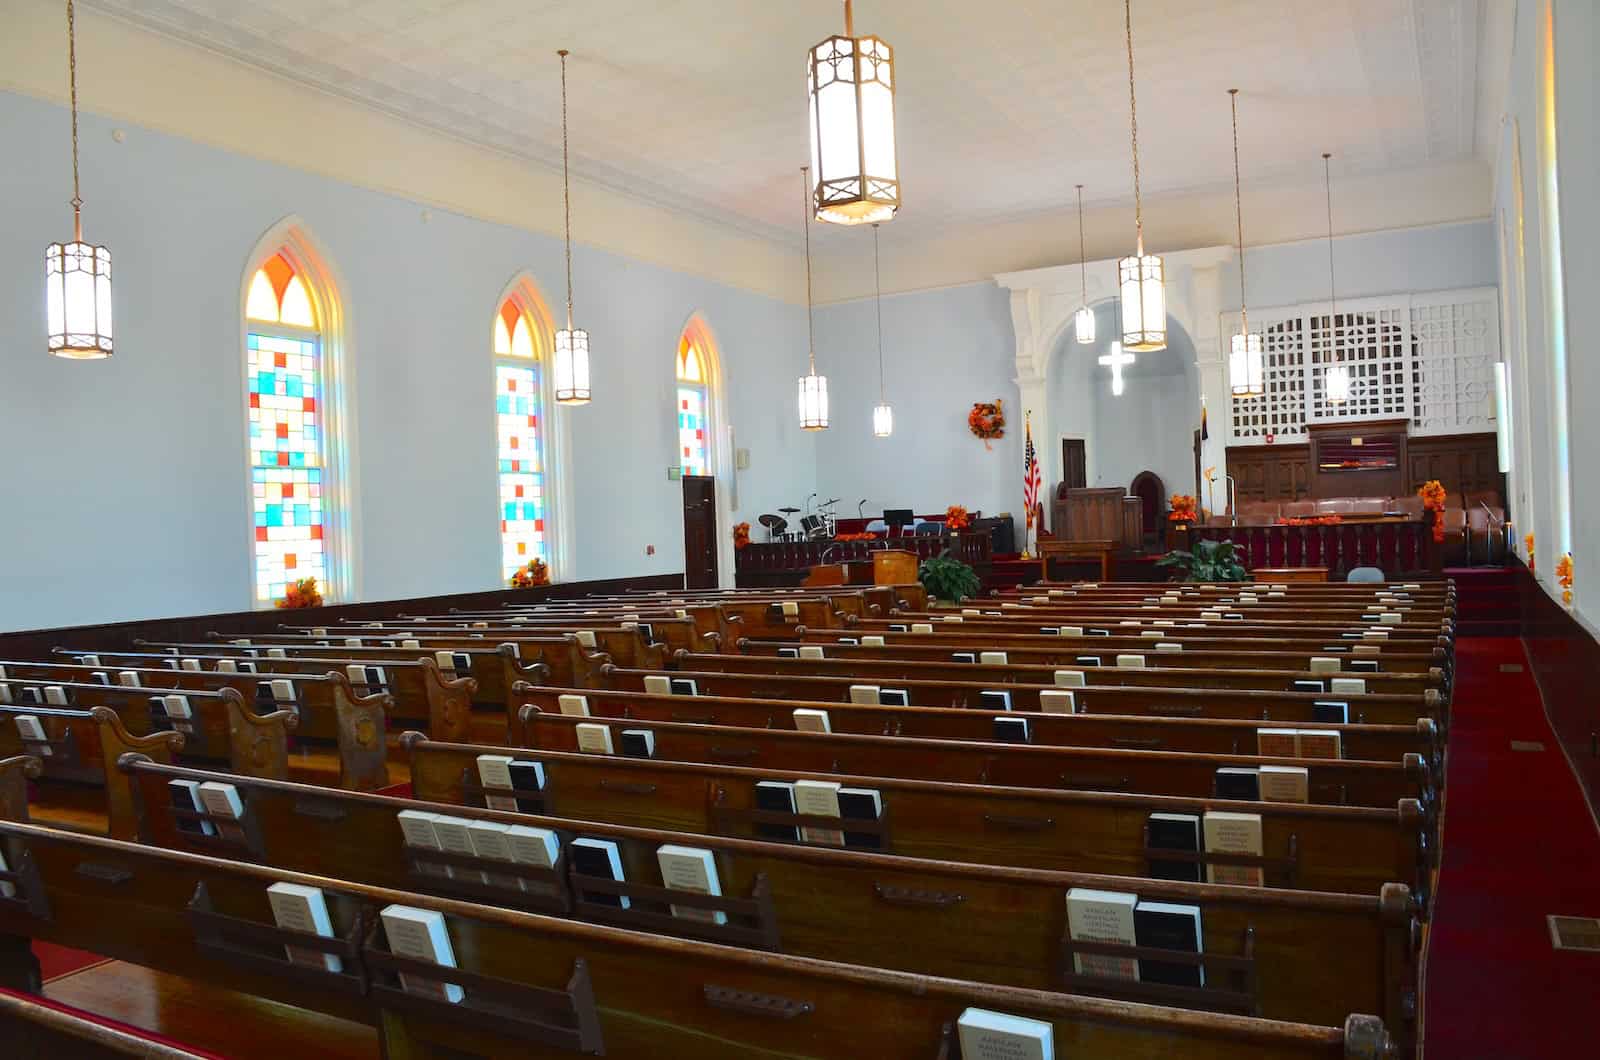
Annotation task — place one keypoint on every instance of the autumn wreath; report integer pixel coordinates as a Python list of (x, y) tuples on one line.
[(987, 421)]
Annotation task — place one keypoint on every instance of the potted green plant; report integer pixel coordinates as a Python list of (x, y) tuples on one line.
[(1211, 561), (947, 578)]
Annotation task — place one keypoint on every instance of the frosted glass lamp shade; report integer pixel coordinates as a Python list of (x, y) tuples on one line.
[(850, 81), (1144, 303), (882, 421), (1338, 384), (77, 300), (1083, 325), (814, 402), (572, 367), (1245, 372)]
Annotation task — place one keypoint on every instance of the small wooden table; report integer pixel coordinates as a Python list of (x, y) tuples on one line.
[(1290, 574), (1054, 548)]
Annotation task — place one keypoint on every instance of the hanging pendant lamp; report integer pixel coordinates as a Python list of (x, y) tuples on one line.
[(882, 413), (851, 86), (1142, 276), (77, 275), (1338, 378), (572, 344), (1245, 372), (813, 387), (1083, 319)]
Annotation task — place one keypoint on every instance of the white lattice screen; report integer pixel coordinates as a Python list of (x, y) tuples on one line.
[(1427, 357)]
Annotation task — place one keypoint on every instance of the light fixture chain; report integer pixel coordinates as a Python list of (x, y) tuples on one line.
[(1238, 210), (805, 221), (1083, 258), (1327, 183), (566, 184), (877, 291), (72, 81), (1133, 114)]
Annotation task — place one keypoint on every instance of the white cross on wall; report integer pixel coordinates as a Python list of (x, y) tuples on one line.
[(1114, 361)]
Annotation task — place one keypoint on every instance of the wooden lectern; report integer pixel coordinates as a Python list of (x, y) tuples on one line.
[(894, 566), (1101, 514)]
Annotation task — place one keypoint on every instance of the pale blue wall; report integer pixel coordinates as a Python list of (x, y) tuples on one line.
[(122, 480)]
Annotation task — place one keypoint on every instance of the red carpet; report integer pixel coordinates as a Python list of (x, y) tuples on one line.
[(58, 960), (1519, 843)]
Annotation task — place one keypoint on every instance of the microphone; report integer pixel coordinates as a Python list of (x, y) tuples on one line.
[(860, 512)]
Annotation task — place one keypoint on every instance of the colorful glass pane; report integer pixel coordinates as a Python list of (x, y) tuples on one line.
[(283, 378), (693, 445), (519, 422)]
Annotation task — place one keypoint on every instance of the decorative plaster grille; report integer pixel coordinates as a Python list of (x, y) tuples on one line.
[(1426, 357)]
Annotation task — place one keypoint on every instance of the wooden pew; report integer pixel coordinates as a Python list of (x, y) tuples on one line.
[(82, 747), (1348, 849), (1315, 956), (33, 1027), (560, 984), (1332, 782), (1378, 743)]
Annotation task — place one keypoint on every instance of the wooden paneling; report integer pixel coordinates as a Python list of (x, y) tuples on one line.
[(1463, 463), (1269, 472)]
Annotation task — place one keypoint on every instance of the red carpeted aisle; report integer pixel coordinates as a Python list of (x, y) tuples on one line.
[(1519, 843)]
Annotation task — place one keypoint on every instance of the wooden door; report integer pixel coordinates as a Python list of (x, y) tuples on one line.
[(1074, 464), (699, 532)]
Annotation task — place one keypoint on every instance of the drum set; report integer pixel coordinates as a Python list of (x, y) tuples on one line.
[(818, 525)]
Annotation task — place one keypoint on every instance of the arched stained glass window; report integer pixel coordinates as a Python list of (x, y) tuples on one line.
[(694, 400), (284, 383), (519, 419)]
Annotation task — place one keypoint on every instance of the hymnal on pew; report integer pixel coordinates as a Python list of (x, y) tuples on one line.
[(1057, 701), (775, 796), (994, 699), (1348, 686), (494, 771), (894, 697), (692, 869), (1013, 729), (417, 827), (1320, 743), (1310, 686), (1131, 662), (1233, 782), (222, 801), (864, 695), (304, 909), (638, 743), (1071, 678), (1102, 916), (1285, 783), (594, 738), (601, 858), (819, 798), (807, 719), (574, 704), (1174, 831), (539, 847), (185, 795), (420, 935), (1233, 833), (987, 1035), (811, 651), (1278, 743), (657, 685), (1087, 660), (454, 838), (963, 657), (28, 728), (861, 804), (1334, 712), (684, 686), (490, 840), (992, 658), (1169, 926)]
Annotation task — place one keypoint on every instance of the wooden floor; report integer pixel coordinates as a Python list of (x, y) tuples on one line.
[(233, 1025)]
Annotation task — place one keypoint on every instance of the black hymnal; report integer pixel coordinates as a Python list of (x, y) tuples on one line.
[(788, 653), (849, 640), (860, 804), (1351, 636), (638, 743), (1011, 730), (376, 681), (775, 796), (1331, 711), (1088, 660), (994, 699), (1310, 686), (894, 697), (1238, 784), (102, 678), (264, 697), (598, 857), (1175, 831), (964, 657), (1168, 926), (648, 632), (527, 776), (247, 667), (1098, 632), (897, 627), (461, 663), (684, 686), (32, 698), (1364, 666)]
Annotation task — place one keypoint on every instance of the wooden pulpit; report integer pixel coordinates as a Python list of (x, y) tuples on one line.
[(894, 567), (1100, 514)]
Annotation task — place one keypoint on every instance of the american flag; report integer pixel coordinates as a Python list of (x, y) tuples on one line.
[(1030, 474)]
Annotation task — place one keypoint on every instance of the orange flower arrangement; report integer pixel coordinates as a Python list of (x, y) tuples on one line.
[(1564, 578), (1433, 495), (856, 537), (1527, 543), (741, 535), (531, 576), (987, 420), (1312, 520), (302, 593), (956, 518), (1182, 508)]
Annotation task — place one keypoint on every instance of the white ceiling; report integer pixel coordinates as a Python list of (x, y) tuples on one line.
[(1002, 105)]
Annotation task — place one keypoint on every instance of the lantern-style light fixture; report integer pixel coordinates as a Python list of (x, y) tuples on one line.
[(77, 275), (882, 413), (851, 85), (813, 387), (1083, 319), (572, 344), (1245, 371), (1142, 277), (1337, 382)]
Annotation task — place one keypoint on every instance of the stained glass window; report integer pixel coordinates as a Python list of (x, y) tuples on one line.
[(694, 438), (283, 376), (519, 418)]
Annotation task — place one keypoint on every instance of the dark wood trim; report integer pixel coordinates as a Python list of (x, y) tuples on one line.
[(1565, 658)]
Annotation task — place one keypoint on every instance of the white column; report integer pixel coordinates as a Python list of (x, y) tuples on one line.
[(1211, 366)]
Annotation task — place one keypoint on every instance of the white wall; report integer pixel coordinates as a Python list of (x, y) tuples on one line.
[(124, 479), (1547, 223), (943, 350)]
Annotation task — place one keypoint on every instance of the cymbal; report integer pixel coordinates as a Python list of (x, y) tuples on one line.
[(772, 522), (788, 511), (824, 504)]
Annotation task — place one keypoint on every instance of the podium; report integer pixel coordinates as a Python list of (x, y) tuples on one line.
[(1100, 514), (825, 574), (894, 567)]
